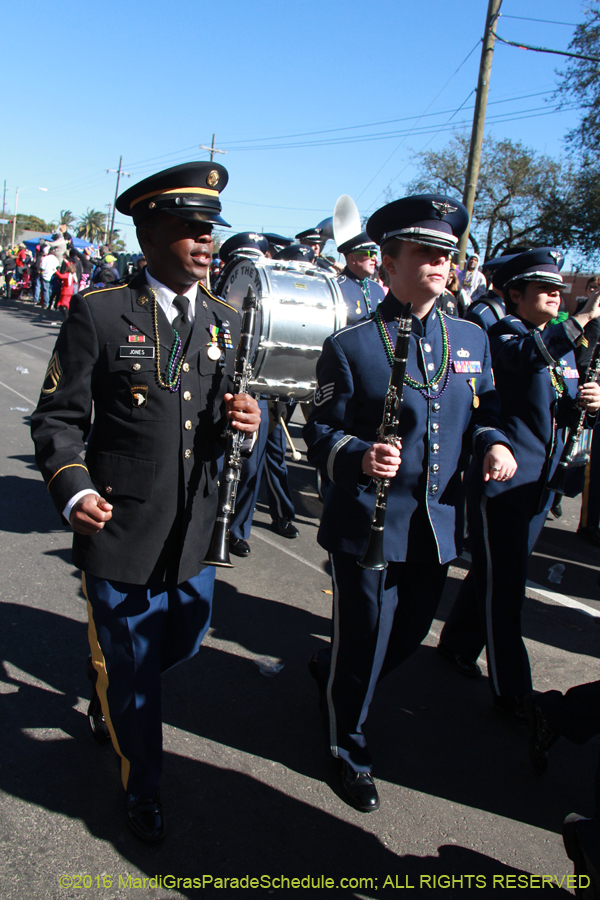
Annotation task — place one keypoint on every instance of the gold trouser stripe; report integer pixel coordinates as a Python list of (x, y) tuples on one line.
[(70, 466), (586, 494), (99, 664)]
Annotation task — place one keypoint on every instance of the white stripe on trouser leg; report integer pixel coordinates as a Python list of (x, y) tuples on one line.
[(334, 653), (491, 655)]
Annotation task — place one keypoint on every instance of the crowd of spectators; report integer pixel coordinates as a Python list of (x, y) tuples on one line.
[(56, 270)]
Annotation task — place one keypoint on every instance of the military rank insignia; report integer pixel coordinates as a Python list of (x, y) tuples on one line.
[(53, 375), (139, 395)]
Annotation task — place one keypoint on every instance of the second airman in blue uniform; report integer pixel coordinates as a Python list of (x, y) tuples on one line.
[(536, 378)]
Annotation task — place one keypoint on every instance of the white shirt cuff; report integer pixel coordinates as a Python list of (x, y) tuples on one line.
[(69, 507)]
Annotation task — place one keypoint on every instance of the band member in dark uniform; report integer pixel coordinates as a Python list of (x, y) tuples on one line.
[(150, 361), (537, 380), (314, 238), (449, 406), (361, 294)]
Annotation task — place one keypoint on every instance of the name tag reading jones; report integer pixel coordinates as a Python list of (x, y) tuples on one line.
[(128, 352)]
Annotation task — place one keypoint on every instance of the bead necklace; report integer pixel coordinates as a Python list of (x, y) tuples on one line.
[(367, 293), (558, 382), (175, 362), (443, 371)]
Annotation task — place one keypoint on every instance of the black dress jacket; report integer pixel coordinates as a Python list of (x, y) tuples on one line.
[(151, 453)]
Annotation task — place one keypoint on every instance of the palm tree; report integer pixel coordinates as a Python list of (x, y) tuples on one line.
[(91, 225), (66, 217)]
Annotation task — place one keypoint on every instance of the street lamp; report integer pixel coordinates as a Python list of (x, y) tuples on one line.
[(26, 188)]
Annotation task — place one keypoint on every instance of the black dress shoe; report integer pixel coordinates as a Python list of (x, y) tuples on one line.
[(556, 508), (239, 547), (359, 789), (590, 534), (581, 838), (313, 668), (95, 715), (145, 818), (285, 528), (462, 664), (97, 721), (513, 707), (541, 734)]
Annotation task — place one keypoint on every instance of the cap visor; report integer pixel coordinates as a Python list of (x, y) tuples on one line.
[(197, 215)]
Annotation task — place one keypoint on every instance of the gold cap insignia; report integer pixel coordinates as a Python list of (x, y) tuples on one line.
[(53, 374), (443, 209), (152, 205), (212, 178), (555, 255)]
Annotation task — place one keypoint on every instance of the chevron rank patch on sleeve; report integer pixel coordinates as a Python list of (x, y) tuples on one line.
[(53, 374)]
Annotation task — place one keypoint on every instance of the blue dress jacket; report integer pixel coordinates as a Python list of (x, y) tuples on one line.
[(356, 291), (533, 414), (438, 433), (482, 314)]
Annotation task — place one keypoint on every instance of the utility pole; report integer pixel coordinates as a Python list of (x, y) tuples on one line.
[(212, 149), (483, 86), (3, 211), (12, 244), (108, 213), (119, 172)]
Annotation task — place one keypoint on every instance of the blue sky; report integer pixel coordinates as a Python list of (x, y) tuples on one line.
[(287, 88)]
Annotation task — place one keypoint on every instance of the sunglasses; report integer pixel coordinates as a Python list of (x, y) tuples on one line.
[(372, 254)]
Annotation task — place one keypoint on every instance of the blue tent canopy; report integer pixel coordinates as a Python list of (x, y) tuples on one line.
[(78, 243)]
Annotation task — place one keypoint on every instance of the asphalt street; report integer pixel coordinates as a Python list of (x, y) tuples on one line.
[(248, 787)]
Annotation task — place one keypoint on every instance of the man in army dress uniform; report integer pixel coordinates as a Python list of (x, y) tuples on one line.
[(449, 408), (361, 294), (150, 360)]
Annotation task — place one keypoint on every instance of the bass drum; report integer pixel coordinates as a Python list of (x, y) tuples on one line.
[(299, 306)]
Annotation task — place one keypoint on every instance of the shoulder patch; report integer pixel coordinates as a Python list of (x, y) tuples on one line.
[(324, 393), (53, 375)]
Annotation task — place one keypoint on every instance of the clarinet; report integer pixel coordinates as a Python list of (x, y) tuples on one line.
[(218, 552), (557, 482), (387, 433)]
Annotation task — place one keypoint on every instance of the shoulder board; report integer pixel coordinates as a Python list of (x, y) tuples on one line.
[(93, 290), (215, 298), (461, 322)]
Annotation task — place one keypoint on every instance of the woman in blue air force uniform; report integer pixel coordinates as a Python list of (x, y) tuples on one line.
[(536, 378), (449, 410)]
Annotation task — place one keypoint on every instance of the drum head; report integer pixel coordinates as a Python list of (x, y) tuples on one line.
[(299, 306)]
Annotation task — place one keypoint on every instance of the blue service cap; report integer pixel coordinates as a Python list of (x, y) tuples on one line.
[(311, 234), (540, 264), (189, 191), (297, 253), (357, 243), (278, 241), (244, 242), (431, 219)]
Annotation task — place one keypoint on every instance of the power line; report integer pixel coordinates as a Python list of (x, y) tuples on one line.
[(547, 50), (470, 53), (545, 21)]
